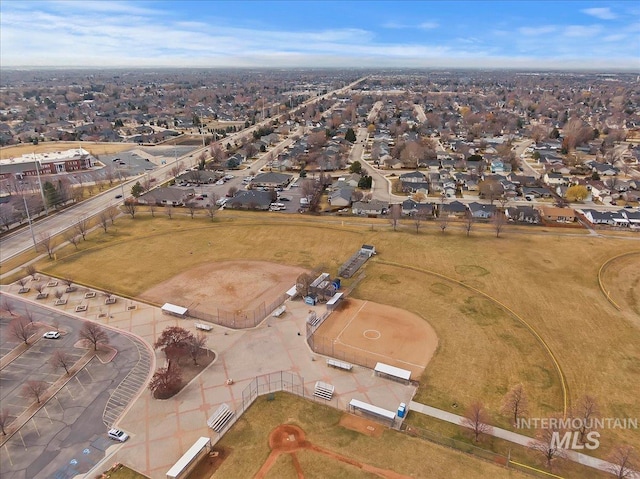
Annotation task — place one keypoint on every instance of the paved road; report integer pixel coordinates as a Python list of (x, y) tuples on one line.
[(420, 113), (511, 436), (20, 241)]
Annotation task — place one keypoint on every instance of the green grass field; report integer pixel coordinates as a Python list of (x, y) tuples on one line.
[(548, 279)]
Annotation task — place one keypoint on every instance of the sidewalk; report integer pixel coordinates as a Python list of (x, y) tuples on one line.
[(511, 436)]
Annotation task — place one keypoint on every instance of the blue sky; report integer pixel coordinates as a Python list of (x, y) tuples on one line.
[(517, 34)]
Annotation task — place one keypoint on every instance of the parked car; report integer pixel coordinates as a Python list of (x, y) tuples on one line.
[(51, 335), (118, 197), (117, 435)]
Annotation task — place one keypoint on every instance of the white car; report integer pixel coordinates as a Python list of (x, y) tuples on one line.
[(117, 435), (51, 335)]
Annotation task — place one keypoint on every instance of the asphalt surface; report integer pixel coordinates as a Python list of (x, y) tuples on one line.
[(67, 436)]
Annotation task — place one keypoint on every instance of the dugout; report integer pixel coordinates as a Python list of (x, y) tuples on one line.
[(174, 310), (190, 459), (376, 412)]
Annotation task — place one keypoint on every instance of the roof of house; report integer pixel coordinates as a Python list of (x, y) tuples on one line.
[(272, 177), (554, 211), (250, 198)]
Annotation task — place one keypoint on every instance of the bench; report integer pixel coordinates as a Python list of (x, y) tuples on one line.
[(324, 390), (203, 327), (339, 364), (220, 418), (313, 319)]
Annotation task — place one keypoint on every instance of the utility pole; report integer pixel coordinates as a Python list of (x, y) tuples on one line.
[(26, 208), (44, 201)]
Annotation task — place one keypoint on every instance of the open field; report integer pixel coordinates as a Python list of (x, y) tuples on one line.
[(408, 456), (521, 454), (379, 333), (49, 146), (228, 285), (549, 280)]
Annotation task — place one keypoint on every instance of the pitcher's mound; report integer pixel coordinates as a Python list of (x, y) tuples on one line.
[(287, 437)]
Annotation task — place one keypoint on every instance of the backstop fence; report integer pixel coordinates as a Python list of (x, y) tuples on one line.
[(238, 319), (330, 347)]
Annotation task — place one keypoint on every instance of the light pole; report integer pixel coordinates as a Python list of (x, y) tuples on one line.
[(26, 208), (44, 202)]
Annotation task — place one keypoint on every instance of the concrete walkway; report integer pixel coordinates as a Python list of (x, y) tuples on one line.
[(513, 437)]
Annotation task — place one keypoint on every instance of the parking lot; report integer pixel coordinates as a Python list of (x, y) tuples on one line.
[(289, 198), (68, 434)]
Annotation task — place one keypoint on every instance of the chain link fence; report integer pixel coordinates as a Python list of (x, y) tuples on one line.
[(238, 319)]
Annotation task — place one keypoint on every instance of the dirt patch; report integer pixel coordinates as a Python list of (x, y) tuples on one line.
[(364, 332), (287, 438), (210, 463), (361, 425), (227, 285)]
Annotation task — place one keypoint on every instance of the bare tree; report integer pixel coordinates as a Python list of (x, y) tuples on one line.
[(61, 359), (6, 305), (303, 283), (418, 217), (152, 209), (197, 347), (71, 237), (623, 462), (468, 222), (130, 207), (212, 210), (103, 218), (165, 382), (586, 410), (476, 419), (112, 212), (31, 271), (28, 315), (58, 293), (35, 389), (546, 445), (443, 222), (174, 342), (39, 287), (515, 403), (82, 227), (499, 221), (395, 213), (169, 210), (4, 420), (95, 334), (232, 191), (191, 206), (46, 242), (21, 329)]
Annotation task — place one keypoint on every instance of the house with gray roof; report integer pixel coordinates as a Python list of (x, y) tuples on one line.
[(250, 200)]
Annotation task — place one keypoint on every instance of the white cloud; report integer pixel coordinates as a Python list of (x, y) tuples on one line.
[(405, 26), (428, 25), (601, 13), (536, 31), (582, 30)]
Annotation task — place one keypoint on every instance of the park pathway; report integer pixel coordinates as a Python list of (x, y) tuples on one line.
[(513, 437)]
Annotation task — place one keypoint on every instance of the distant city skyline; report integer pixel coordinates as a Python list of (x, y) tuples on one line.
[(453, 34)]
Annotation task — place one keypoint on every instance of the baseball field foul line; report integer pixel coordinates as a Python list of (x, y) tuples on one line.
[(563, 381)]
